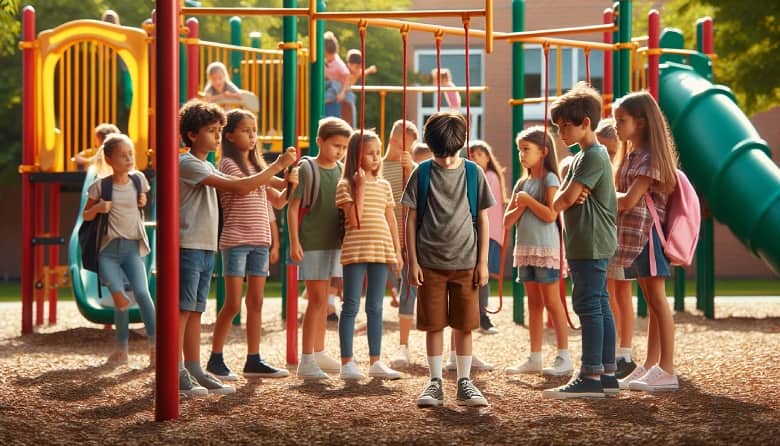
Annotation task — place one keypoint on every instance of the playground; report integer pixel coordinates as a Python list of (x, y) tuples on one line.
[(56, 387)]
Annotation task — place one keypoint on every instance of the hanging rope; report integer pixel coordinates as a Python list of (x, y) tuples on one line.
[(405, 40), (587, 65), (438, 36), (362, 25), (466, 22)]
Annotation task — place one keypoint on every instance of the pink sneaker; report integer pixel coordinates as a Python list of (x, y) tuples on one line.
[(655, 380), (638, 372)]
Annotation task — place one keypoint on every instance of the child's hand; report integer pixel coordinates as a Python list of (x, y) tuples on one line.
[(340, 96), (399, 262), (481, 275), (415, 275), (273, 257), (102, 207), (142, 200), (583, 196), (522, 198), (360, 177), (296, 252), (292, 176), (287, 158), (371, 70), (406, 160)]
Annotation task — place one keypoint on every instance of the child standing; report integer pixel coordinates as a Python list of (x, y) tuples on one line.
[(537, 248), (347, 97), (83, 158), (125, 241), (200, 125), (313, 245), (481, 153), (447, 254), (648, 170), (370, 245), (618, 287), (219, 86), (245, 242), (336, 76), (588, 200)]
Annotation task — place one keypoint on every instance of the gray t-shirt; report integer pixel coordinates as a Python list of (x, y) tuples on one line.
[(446, 239), (590, 231), (531, 230), (124, 219), (198, 210)]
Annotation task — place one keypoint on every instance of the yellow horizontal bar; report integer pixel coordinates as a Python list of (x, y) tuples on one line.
[(246, 11), (415, 89), (418, 14), (605, 97), (557, 31)]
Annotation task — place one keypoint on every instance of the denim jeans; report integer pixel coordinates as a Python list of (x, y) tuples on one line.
[(117, 260), (591, 303), (407, 294), (375, 293)]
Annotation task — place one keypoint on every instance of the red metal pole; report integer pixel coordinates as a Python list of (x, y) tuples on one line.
[(167, 143), (653, 57), (707, 44), (54, 250), (28, 158), (608, 87), (38, 251), (193, 59)]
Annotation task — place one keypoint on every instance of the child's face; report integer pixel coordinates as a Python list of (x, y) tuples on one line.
[(372, 157), (626, 125), (480, 157), (122, 159), (530, 154), (570, 133), (244, 136), (217, 80), (333, 148), (208, 137), (329, 57)]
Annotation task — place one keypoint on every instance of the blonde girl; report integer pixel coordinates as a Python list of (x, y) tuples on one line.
[(648, 168), (370, 245), (245, 242), (219, 85), (537, 248)]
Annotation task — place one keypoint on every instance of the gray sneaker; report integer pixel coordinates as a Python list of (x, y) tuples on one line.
[(432, 395), (188, 386), (214, 385), (469, 395)]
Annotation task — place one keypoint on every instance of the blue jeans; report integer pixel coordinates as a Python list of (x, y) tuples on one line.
[(116, 261), (375, 293), (591, 303)]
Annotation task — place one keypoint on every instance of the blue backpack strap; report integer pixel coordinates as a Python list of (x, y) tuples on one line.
[(471, 188), (107, 188), (423, 185)]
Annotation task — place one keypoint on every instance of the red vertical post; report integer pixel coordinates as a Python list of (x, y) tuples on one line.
[(167, 143), (38, 251), (708, 46), (28, 159), (54, 250), (608, 88), (653, 51), (193, 59)]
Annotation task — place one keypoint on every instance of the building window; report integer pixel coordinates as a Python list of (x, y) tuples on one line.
[(452, 59), (572, 71)]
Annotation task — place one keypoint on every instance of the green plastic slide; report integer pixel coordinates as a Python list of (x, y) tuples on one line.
[(725, 158)]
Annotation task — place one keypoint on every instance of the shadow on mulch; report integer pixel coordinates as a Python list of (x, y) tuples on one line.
[(547, 382), (731, 323), (75, 340), (70, 385), (373, 387), (141, 403)]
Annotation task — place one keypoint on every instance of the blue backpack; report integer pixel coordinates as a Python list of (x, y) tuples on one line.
[(424, 183)]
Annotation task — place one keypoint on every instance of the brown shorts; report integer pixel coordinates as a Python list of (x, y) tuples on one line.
[(447, 298)]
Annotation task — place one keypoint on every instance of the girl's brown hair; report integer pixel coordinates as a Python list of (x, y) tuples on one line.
[(353, 156), (229, 150), (656, 137), (537, 135), (493, 165)]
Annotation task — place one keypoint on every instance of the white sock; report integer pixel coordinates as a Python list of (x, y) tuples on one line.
[(452, 356), (535, 357), (332, 300), (320, 354), (625, 353), (464, 366), (434, 365), (563, 353), (307, 357)]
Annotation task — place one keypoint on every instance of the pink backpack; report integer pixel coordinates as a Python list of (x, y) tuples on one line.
[(683, 218)]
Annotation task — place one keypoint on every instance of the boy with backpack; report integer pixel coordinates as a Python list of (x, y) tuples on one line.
[(447, 251), (313, 220)]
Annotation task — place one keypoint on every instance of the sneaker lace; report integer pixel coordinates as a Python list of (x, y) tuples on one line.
[(468, 389), (432, 390)]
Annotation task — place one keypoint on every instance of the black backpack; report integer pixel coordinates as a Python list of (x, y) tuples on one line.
[(91, 232)]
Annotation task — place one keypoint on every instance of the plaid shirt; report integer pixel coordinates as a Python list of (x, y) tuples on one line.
[(633, 225)]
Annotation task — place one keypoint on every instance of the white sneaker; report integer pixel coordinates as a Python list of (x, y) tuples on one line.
[(655, 380), (380, 370), (476, 364), (402, 359), (309, 370), (528, 367), (561, 366), (326, 363), (638, 372), (350, 372), (452, 364)]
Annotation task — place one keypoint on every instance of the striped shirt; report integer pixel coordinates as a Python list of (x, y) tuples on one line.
[(245, 218), (372, 243), (633, 225)]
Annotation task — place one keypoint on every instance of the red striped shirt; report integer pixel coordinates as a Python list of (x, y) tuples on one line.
[(245, 218)]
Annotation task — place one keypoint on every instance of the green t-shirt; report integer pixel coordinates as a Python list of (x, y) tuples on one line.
[(320, 226), (590, 231)]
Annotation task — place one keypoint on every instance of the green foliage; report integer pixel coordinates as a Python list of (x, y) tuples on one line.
[(9, 26)]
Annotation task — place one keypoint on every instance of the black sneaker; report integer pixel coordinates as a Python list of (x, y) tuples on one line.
[(217, 367), (578, 387), (333, 317), (469, 395), (610, 385), (486, 325), (432, 395), (255, 367), (624, 368)]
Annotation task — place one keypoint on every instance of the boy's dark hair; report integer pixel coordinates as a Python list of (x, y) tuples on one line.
[(354, 57), (113, 140), (331, 42), (445, 133), (105, 129), (581, 102), (196, 114), (332, 126)]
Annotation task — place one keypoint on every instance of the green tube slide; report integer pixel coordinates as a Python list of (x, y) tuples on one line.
[(725, 158), (85, 283)]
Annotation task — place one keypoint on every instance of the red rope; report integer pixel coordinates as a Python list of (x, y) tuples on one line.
[(466, 22), (362, 29), (439, 35), (587, 65), (405, 40)]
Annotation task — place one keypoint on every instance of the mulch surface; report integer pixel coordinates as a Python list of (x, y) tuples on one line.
[(55, 389)]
